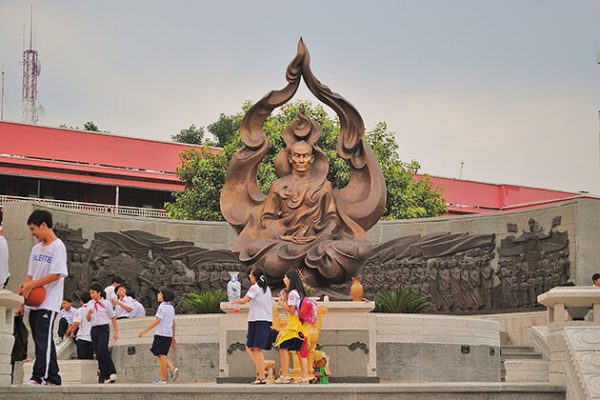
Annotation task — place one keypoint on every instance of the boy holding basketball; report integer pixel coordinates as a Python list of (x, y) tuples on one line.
[(47, 269)]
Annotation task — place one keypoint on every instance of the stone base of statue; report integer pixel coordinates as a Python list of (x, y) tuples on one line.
[(347, 337)]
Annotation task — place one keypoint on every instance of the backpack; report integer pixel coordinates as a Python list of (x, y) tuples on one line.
[(309, 310)]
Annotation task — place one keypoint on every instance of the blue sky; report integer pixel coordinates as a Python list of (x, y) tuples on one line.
[(510, 88)]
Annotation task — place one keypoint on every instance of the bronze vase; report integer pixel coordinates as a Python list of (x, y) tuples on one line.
[(356, 290)]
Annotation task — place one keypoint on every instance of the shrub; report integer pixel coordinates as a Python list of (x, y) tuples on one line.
[(207, 302), (401, 301)]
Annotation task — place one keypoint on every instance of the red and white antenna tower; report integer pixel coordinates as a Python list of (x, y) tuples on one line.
[(31, 71)]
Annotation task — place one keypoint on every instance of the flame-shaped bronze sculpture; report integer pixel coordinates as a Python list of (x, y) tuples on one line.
[(303, 222)]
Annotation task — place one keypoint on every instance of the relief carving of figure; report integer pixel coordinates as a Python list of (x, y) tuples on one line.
[(446, 300)]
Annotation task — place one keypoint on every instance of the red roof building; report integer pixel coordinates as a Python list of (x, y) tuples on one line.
[(66, 164), (470, 197), (93, 167)]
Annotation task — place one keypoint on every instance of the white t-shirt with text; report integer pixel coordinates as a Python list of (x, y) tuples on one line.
[(49, 259)]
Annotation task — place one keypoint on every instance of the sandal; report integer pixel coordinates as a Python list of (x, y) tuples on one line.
[(284, 380), (259, 381), (302, 381)]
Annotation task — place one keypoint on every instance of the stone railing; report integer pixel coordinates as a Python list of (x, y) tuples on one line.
[(573, 341), (8, 302), (90, 207)]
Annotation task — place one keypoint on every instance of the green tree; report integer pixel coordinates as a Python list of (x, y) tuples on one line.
[(191, 135), (203, 171), (225, 128), (91, 126)]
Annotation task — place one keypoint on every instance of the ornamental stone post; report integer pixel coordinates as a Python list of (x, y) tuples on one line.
[(8, 302)]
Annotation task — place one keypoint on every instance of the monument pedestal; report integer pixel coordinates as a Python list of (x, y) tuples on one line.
[(347, 337)]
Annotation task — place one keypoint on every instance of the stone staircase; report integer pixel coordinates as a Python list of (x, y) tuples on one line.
[(72, 371), (523, 363)]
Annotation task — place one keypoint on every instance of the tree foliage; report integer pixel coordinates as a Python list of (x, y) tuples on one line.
[(91, 126), (191, 135), (403, 300), (203, 172), (207, 302), (224, 129), (88, 126)]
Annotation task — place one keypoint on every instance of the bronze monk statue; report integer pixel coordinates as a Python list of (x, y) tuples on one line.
[(303, 222)]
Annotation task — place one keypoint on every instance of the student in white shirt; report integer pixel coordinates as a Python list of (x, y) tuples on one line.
[(164, 335), (123, 304), (47, 268), (100, 313), (66, 314), (85, 349), (110, 291), (260, 317), (4, 271), (138, 308)]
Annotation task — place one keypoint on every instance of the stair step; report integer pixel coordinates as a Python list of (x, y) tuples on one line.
[(517, 348), (513, 352), (517, 351), (531, 356)]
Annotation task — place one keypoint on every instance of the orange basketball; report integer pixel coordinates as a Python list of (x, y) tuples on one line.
[(36, 297)]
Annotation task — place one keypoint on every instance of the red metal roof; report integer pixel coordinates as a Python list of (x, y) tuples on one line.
[(99, 180), (93, 157), (93, 148), (83, 156), (464, 196)]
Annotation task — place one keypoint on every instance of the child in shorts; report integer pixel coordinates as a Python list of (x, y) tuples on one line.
[(164, 335)]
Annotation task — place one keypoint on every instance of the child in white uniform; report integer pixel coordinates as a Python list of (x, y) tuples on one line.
[(260, 318), (164, 335), (100, 313), (83, 340)]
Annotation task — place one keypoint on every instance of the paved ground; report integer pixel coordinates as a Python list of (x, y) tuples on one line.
[(212, 391)]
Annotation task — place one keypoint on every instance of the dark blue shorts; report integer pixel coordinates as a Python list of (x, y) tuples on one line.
[(259, 335), (161, 345), (293, 344)]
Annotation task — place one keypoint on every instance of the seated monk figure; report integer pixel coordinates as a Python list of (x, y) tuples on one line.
[(303, 222), (300, 226)]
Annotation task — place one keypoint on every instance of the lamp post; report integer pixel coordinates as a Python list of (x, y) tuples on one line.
[(2, 97), (598, 62)]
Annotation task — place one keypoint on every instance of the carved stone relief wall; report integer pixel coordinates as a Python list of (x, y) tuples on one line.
[(146, 263), (458, 272)]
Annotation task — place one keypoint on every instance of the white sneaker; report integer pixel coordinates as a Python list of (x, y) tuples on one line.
[(174, 374), (111, 379), (32, 382), (159, 382)]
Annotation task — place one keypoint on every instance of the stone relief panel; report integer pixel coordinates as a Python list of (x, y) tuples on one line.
[(147, 262), (459, 272), (452, 270), (532, 263), (465, 273)]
